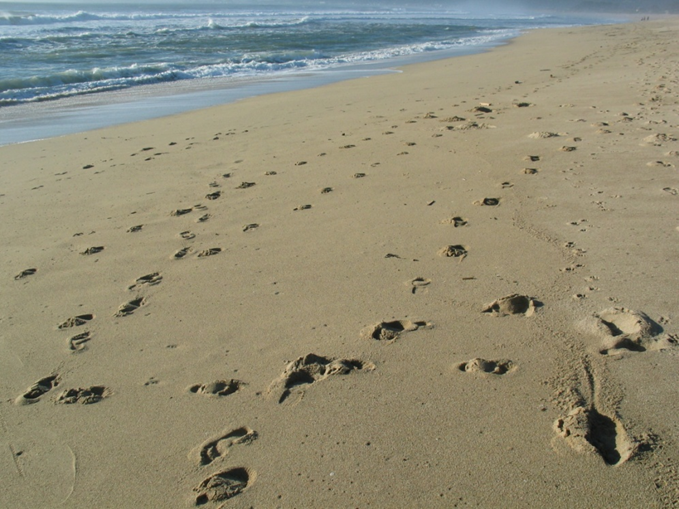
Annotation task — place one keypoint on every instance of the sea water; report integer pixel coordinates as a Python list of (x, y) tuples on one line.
[(58, 57)]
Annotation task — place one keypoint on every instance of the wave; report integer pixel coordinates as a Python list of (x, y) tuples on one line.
[(76, 82)]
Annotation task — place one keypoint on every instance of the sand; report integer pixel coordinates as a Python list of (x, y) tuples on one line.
[(455, 286)]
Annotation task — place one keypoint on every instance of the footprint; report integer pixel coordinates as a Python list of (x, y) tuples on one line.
[(213, 196), (203, 218), (478, 365), (488, 202), (180, 212), (224, 485), (76, 321), (661, 164), (568, 149), (25, 273), (42, 386), (218, 446), (670, 190), (217, 388), (588, 431), (419, 285), (249, 227), (506, 185), (390, 331), (513, 304), (187, 235), (456, 251), (181, 253), (326, 190), (530, 171), (77, 342), (543, 135), (625, 330), (134, 229), (130, 307), (302, 207), (93, 250), (245, 185), (359, 175), (312, 368), (209, 252), (149, 279), (86, 396), (456, 221)]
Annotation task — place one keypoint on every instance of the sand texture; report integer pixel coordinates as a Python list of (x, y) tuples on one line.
[(455, 286)]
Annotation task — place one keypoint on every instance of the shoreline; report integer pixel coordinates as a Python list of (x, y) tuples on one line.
[(451, 285)]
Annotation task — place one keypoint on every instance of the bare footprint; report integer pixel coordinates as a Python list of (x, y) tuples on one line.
[(76, 321), (310, 369), (588, 431), (478, 365), (390, 331), (149, 280), (209, 252), (25, 273), (187, 235), (224, 485), (456, 221), (77, 342), (181, 253), (93, 250), (456, 251), (86, 396), (513, 304), (135, 229), (250, 227), (419, 285), (218, 446), (130, 307), (217, 388), (245, 185), (488, 202), (180, 212), (35, 391), (670, 190)]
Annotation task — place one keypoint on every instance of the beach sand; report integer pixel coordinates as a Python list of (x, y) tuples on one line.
[(298, 300)]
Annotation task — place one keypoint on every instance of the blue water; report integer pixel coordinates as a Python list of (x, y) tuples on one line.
[(50, 52)]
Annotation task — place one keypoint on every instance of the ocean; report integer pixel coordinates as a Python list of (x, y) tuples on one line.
[(63, 56)]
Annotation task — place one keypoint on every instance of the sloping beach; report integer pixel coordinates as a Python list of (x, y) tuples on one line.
[(454, 286)]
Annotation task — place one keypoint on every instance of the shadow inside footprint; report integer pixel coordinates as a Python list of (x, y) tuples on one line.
[(76, 321), (130, 307), (312, 368), (224, 485)]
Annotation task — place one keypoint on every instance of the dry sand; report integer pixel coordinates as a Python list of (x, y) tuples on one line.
[(353, 348)]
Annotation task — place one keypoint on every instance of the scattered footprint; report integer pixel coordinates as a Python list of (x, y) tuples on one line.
[(661, 164), (217, 388), (506, 185), (419, 284), (130, 307), (203, 218), (514, 304), (478, 365), (42, 386), (86, 396), (218, 446), (390, 331), (359, 175), (213, 196), (530, 171), (245, 185), (25, 273), (249, 227), (77, 342), (567, 149), (209, 252), (76, 321), (187, 235), (456, 251), (488, 202), (302, 207), (326, 190), (312, 368), (224, 485), (149, 279), (625, 330), (543, 135), (180, 212), (93, 250), (134, 229), (456, 221), (670, 190)]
